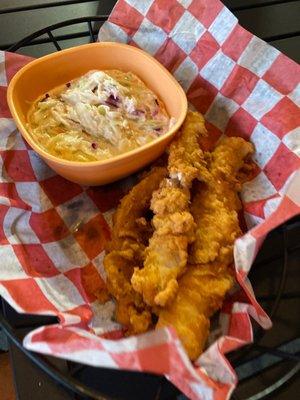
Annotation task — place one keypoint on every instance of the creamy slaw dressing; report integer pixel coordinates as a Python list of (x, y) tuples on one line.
[(97, 116)]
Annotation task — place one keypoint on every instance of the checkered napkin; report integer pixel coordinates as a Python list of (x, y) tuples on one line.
[(52, 232)]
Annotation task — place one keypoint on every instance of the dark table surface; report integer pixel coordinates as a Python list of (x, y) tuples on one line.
[(277, 22)]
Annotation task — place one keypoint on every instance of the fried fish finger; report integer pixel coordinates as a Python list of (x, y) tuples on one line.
[(201, 292), (126, 252), (166, 255), (216, 203), (204, 285)]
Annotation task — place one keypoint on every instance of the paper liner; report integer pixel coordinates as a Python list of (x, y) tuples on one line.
[(52, 232)]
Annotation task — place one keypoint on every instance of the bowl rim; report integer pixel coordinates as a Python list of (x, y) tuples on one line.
[(24, 132)]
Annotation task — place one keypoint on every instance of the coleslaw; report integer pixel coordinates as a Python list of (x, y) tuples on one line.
[(97, 116)]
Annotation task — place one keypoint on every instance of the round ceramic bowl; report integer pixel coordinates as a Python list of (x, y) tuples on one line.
[(45, 73)]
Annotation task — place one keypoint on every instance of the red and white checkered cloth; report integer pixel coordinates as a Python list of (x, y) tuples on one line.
[(52, 232)]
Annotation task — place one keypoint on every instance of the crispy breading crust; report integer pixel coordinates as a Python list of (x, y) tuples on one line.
[(202, 288), (166, 255), (125, 252), (201, 292), (216, 203)]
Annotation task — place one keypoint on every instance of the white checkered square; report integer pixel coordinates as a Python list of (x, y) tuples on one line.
[(17, 228), (291, 188), (66, 254), (142, 6), (295, 95), (149, 37), (186, 73), (221, 109), (5, 201), (77, 211), (218, 69), (94, 358), (262, 99), (185, 38), (258, 56), (10, 265), (33, 195), (108, 216), (252, 220), (40, 168), (61, 292), (292, 141), (10, 138), (98, 263), (244, 252), (103, 317), (271, 205), (185, 3), (70, 319), (4, 177), (265, 142), (111, 32), (223, 25), (3, 79), (258, 189)]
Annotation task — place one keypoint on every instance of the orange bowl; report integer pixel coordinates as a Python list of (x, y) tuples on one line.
[(43, 74)]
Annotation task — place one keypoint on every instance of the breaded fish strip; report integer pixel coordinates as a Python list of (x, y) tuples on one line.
[(186, 159), (204, 285), (126, 251), (201, 292), (216, 203), (166, 255)]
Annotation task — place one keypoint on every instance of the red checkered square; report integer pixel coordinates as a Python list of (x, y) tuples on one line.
[(205, 11), (35, 260), (239, 84), (48, 226), (124, 12), (283, 118), (163, 20), (283, 74), (27, 294), (59, 189), (14, 62), (205, 49), (256, 207), (201, 94), (9, 191), (236, 42), (170, 55), (150, 358), (241, 124), (88, 282), (106, 197), (3, 211), (281, 166), (131, 42), (286, 210), (17, 165), (93, 235), (84, 312), (240, 326), (4, 110)]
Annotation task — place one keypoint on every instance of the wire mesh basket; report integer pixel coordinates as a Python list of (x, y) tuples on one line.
[(269, 275)]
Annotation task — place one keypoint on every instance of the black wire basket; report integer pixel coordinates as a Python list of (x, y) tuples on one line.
[(270, 276)]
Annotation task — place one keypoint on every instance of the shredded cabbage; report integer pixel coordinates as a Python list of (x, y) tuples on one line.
[(97, 116)]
